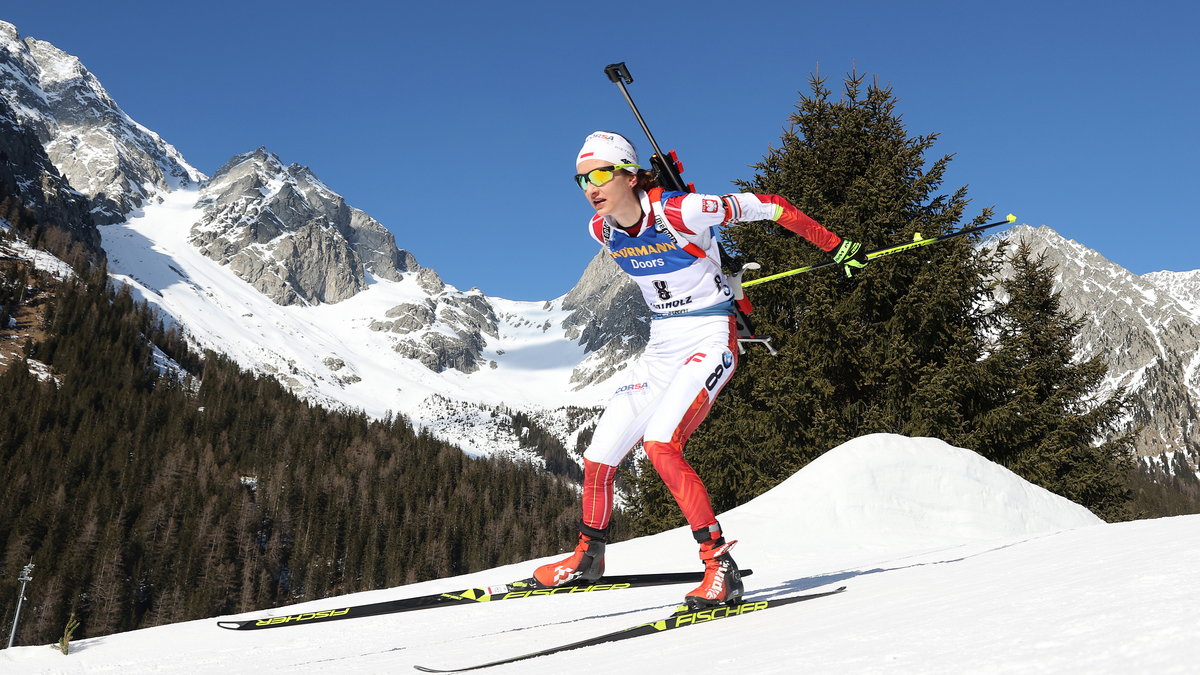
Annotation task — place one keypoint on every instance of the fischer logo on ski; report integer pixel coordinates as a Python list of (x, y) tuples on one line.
[(681, 618), (687, 618), (310, 616), (566, 590)]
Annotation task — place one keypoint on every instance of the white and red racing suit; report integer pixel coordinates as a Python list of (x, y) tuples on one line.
[(692, 350)]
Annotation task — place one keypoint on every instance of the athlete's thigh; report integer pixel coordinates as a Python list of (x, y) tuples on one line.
[(687, 399), (624, 419)]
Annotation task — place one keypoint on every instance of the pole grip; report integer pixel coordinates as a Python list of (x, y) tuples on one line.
[(617, 72)]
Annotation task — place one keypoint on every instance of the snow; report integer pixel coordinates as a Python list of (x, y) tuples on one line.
[(953, 564), (1184, 287), (151, 253), (42, 371), (42, 260)]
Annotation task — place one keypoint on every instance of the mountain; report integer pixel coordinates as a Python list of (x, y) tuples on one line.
[(447, 358), (1145, 327), (26, 170), (114, 161), (264, 262), (609, 319), (289, 235), (952, 565), (1184, 286)]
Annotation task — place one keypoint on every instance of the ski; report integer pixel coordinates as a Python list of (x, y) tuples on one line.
[(525, 588), (681, 618)]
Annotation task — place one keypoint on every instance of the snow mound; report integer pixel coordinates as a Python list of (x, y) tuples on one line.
[(888, 489)]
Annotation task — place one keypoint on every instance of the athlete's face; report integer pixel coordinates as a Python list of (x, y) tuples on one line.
[(614, 198)]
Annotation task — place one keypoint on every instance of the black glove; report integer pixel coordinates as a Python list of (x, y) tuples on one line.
[(851, 256)]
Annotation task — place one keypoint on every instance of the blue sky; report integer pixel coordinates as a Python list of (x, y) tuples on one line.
[(455, 124)]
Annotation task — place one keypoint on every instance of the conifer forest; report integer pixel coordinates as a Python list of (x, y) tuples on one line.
[(149, 496)]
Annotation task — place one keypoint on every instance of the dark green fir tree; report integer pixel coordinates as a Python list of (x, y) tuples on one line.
[(916, 344), (885, 351), (1045, 420)]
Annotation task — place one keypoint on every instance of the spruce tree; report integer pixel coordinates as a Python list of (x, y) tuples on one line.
[(1044, 419), (914, 345), (881, 352)]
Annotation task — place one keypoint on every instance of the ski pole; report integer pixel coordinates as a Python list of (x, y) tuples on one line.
[(668, 166), (917, 241)]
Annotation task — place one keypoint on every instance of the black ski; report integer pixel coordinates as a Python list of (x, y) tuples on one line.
[(681, 618), (525, 588)]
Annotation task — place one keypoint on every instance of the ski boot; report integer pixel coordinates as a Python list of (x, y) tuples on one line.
[(585, 564), (722, 582)]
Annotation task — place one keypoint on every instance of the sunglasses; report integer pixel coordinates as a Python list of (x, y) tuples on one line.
[(601, 175)]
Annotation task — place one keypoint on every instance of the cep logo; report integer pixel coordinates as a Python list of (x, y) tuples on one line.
[(709, 206), (714, 378)]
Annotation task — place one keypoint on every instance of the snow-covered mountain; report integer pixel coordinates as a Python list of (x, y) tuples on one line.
[(363, 352), (289, 235), (952, 563), (27, 170), (114, 161), (1146, 328), (1184, 286), (267, 264)]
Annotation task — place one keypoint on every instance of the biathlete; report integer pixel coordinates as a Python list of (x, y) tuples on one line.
[(667, 242)]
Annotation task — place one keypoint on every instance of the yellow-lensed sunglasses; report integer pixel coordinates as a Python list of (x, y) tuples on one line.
[(600, 175)]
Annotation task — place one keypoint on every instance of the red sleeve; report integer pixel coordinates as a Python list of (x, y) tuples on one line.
[(799, 222), (673, 209)]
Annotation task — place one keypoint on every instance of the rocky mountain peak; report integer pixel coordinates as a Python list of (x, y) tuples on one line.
[(57, 66), (1183, 286), (607, 317), (260, 160), (27, 173), (104, 154), (289, 235)]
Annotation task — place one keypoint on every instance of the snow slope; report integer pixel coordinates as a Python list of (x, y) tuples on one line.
[(328, 353), (953, 564)]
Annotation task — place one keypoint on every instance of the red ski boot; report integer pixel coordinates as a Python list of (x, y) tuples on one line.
[(586, 563), (722, 582)]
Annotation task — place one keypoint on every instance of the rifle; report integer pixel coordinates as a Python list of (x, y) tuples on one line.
[(668, 170)]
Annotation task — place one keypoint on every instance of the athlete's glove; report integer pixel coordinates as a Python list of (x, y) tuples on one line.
[(851, 256)]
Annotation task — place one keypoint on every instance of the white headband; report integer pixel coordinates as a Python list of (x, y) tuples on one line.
[(608, 147)]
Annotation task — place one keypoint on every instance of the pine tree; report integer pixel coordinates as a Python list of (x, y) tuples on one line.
[(1044, 420), (875, 353), (914, 345)]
